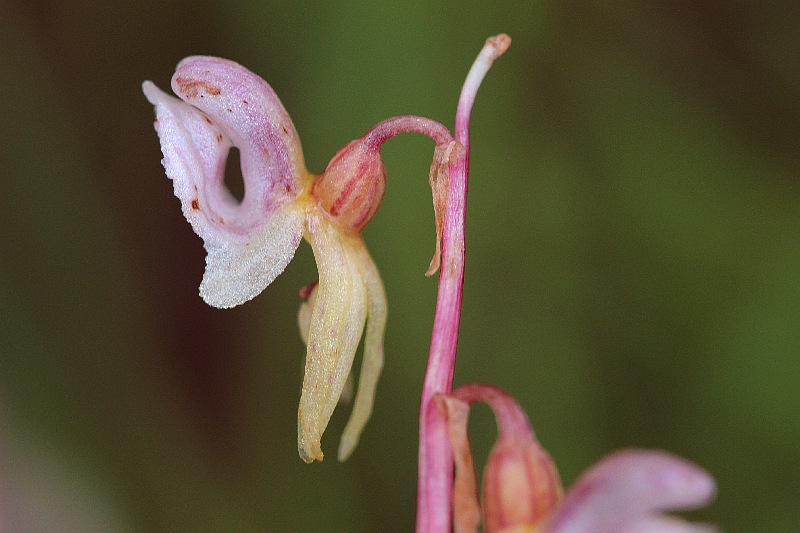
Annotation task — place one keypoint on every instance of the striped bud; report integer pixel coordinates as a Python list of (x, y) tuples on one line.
[(351, 188), (520, 483)]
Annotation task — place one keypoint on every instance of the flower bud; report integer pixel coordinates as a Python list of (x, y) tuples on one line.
[(351, 188), (520, 482)]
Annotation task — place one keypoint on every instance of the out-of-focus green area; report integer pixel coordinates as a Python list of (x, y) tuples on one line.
[(633, 255)]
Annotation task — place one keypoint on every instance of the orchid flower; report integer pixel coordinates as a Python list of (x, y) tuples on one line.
[(624, 493), (223, 105), (249, 243)]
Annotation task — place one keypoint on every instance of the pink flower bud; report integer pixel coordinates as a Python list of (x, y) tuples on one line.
[(351, 188), (520, 482)]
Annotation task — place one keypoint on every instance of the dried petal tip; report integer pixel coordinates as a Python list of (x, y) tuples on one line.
[(352, 186), (439, 179), (309, 444), (499, 44)]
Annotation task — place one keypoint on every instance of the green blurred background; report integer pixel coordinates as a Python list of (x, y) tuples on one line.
[(633, 255)]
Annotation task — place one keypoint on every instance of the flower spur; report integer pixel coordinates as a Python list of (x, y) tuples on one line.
[(249, 243)]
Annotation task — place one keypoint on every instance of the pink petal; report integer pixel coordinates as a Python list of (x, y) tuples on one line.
[(631, 488), (252, 116), (666, 524), (251, 242)]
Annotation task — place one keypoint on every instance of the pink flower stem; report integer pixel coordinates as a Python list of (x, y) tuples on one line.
[(435, 483), (384, 130)]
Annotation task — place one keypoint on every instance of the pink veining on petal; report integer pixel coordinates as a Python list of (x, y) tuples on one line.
[(351, 188)]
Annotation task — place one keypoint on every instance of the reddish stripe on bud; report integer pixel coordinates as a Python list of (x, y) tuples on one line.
[(351, 188)]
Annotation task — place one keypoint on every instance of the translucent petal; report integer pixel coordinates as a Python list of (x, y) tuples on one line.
[(337, 324), (309, 296)]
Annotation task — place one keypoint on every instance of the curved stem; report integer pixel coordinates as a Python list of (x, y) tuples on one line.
[(386, 129), (435, 483)]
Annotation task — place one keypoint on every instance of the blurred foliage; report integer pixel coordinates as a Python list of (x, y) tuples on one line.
[(633, 244)]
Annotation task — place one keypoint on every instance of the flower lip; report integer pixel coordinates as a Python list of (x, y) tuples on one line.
[(250, 242)]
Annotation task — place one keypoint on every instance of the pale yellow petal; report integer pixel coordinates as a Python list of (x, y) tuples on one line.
[(372, 363), (304, 324), (337, 324)]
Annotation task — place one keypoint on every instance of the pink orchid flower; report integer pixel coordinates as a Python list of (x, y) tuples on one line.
[(249, 243), (626, 492)]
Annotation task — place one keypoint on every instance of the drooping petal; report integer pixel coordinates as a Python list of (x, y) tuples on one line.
[(439, 180), (337, 324), (628, 491), (250, 242), (372, 362)]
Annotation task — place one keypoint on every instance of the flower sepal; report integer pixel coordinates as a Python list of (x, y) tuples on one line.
[(348, 299)]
